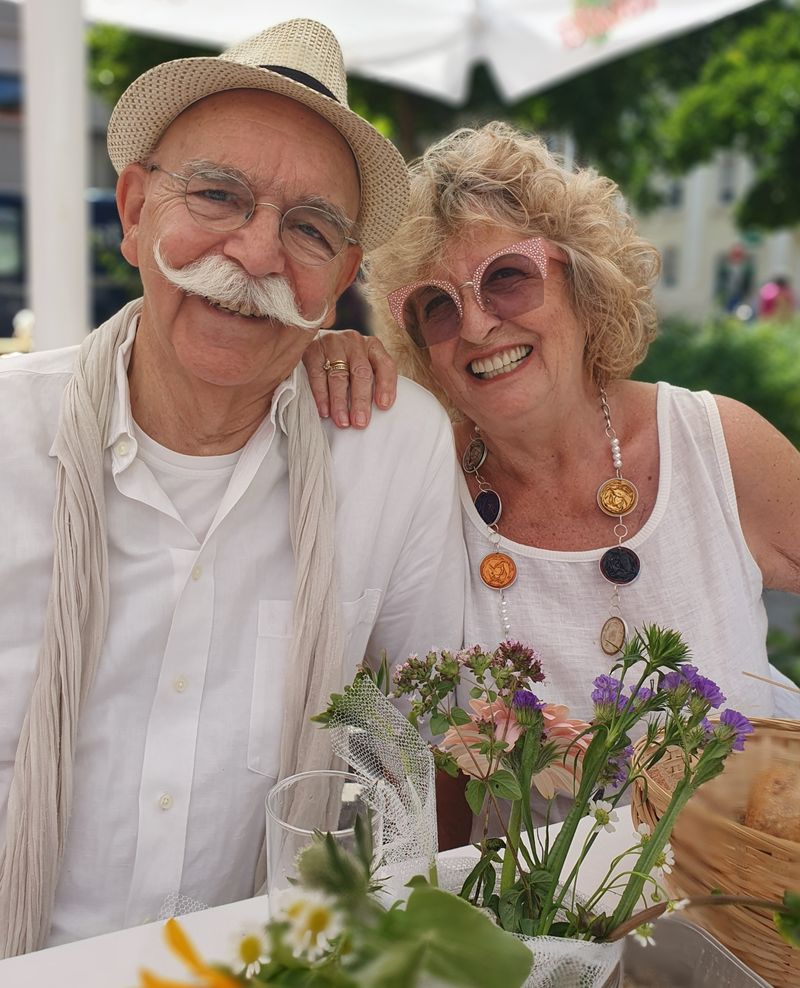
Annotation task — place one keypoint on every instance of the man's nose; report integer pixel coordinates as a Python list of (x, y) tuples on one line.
[(257, 245)]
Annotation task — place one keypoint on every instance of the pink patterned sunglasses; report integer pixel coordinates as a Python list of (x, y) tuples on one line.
[(507, 283)]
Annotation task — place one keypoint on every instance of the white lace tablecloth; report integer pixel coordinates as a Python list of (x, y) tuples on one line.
[(113, 960)]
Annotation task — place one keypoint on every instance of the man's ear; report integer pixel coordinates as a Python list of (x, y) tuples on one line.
[(346, 278), (130, 201)]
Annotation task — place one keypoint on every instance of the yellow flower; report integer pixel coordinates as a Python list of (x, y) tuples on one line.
[(180, 944)]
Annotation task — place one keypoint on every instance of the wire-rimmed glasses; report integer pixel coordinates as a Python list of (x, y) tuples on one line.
[(222, 202)]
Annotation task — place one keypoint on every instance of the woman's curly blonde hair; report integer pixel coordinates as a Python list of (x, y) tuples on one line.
[(505, 177)]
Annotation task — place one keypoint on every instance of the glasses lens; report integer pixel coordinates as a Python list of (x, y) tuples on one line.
[(218, 202), (511, 285), (431, 315), (312, 235)]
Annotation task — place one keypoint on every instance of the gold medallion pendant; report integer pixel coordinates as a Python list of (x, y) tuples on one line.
[(613, 635), (498, 570), (617, 496)]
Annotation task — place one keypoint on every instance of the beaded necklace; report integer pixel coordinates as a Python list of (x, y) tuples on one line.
[(619, 565)]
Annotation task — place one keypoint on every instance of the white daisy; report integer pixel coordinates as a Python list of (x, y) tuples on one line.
[(644, 832), (666, 859), (675, 905), (605, 816), (644, 934), (312, 921), (251, 951)]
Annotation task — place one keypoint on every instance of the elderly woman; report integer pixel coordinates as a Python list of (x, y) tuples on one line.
[(520, 294)]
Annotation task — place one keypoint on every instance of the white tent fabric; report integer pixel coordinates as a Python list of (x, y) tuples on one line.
[(429, 46)]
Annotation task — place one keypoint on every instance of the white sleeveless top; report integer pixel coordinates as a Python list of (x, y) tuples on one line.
[(697, 575)]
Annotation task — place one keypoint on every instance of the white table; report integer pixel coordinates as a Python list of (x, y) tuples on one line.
[(113, 960)]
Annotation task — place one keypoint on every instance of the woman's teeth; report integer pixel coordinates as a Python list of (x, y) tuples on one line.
[(499, 363)]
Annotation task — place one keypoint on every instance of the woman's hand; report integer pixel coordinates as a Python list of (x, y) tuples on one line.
[(345, 369)]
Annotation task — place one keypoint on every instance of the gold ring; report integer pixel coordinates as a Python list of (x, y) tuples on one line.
[(331, 366)]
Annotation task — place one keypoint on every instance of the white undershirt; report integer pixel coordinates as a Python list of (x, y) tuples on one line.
[(194, 484)]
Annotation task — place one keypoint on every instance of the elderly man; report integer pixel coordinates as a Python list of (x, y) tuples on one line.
[(192, 561)]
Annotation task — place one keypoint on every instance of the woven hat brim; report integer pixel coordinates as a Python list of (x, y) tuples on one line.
[(151, 103)]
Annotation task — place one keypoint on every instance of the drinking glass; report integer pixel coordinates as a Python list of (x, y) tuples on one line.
[(322, 800)]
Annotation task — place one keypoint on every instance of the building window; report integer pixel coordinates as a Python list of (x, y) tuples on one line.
[(673, 196), (669, 267), (727, 177)]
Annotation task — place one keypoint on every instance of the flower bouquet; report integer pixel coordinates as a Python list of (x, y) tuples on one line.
[(517, 892)]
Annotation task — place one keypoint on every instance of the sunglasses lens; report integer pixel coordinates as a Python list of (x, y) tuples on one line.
[(512, 285), (431, 316)]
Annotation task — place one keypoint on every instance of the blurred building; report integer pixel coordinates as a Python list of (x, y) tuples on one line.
[(105, 231), (708, 265)]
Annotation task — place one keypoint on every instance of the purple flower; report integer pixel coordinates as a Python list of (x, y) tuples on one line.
[(525, 700), (618, 767), (705, 688), (672, 680), (707, 728), (526, 706), (642, 695), (739, 725), (608, 692)]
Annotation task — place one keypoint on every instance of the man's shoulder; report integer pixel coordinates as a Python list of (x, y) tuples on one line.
[(415, 405), (415, 429)]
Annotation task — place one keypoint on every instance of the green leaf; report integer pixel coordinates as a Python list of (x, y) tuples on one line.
[(504, 785), (460, 716), (462, 945), (788, 923), (476, 692), (439, 724), (475, 794)]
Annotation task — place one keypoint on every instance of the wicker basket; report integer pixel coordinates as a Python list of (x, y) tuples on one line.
[(714, 850)]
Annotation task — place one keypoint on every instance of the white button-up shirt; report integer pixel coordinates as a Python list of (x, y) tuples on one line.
[(178, 744)]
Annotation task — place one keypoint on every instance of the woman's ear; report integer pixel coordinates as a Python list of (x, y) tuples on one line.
[(130, 201)]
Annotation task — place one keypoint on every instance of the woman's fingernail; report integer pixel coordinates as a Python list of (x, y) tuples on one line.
[(324, 411), (383, 400), (360, 419), (342, 419)]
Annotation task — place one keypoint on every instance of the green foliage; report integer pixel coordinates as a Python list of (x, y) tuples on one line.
[(747, 97), (757, 364), (117, 57)]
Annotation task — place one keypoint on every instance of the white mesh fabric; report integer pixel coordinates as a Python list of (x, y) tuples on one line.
[(380, 745)]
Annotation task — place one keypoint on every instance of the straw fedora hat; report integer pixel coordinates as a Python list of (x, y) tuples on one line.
[(300, 59)]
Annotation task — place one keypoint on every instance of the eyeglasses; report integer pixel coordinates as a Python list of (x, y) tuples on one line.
[(221, 202), (507, 283)]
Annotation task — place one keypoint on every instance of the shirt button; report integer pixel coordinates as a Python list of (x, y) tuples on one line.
[(197, 572), (180, 684), (121, 447), (165, 801)]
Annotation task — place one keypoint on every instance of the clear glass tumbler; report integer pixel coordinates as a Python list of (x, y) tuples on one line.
[(323, 800)]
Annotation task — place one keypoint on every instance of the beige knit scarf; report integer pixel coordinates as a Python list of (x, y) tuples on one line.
[(40, 796)]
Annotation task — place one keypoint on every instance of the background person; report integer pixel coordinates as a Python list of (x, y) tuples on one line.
[(195, 558), (776, 300)]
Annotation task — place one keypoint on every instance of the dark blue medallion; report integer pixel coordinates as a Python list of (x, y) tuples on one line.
[(489, 506), (620, 565)]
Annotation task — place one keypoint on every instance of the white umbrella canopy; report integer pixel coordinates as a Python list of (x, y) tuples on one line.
[(431, 46)]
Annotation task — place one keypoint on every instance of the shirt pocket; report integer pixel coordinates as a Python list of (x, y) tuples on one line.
[(269, 675)]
